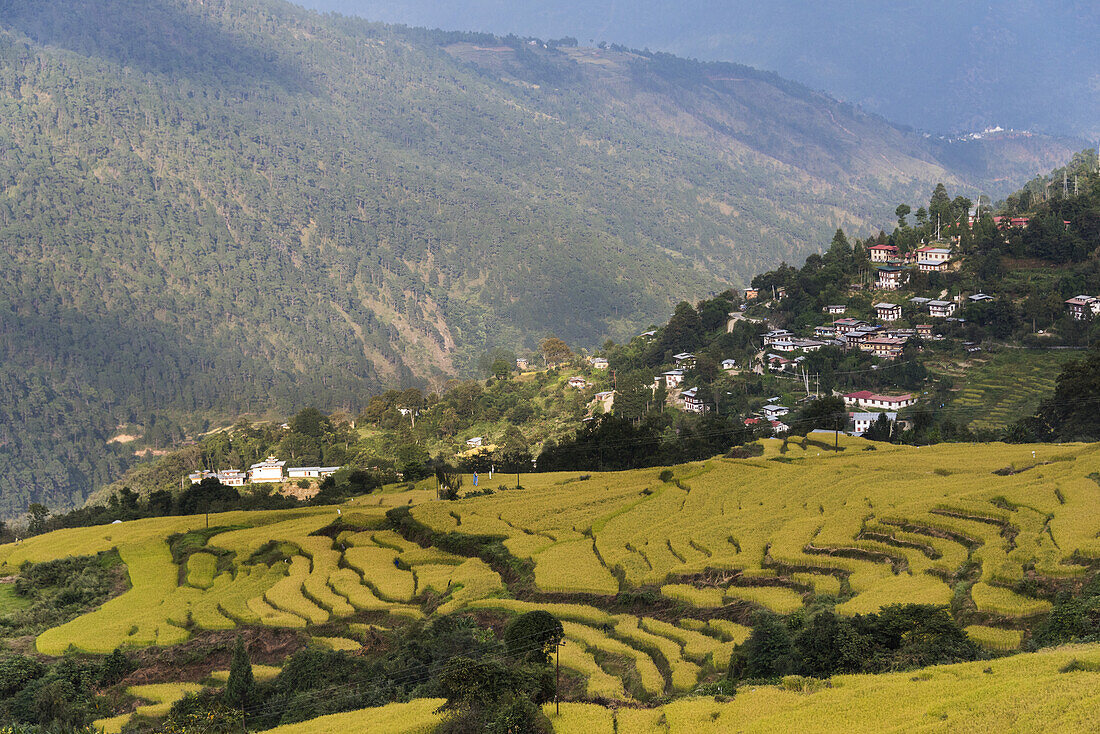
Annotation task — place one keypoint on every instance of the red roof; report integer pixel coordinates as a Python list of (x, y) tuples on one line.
[(868, 395), (751, 421), (891, 248)]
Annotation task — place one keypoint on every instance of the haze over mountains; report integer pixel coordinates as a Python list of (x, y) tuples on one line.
[(226, 206), (943, 66)]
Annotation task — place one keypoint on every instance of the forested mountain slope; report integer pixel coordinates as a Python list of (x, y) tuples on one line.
[(237, 205)]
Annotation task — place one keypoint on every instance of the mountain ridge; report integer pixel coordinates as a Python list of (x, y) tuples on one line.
[(240, 206)]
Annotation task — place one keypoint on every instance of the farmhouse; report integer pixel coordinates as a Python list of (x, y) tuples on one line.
[(692, 402), (729, 364), (933, 254), (979, 297), (777, 363), (884, 346), (890, 278), (475, 442), (779, 427), (932, 266), (777, 335), (233, 477), (684, 359), (1083, 307), (843, 326), (521, 364), (311, 472), (578, 382), (268, 470), (599, 363), (887, 311), (751, 294), (771, 412), (824, 332), (868, 400), (924, 330), (672, 378), (198, 476), (835, 309), (940, 309), (882, 253), (862, 421)]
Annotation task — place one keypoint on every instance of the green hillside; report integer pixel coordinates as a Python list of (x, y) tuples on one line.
[(211, 208)]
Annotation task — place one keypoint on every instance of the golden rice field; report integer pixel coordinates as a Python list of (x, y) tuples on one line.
[(1022, 693), (858, 528)]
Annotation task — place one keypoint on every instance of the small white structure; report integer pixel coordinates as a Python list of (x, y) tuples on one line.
[(673, 378), (198, 476), (933, 254), (233, 477), (887, 311), (599, 363), (311, 472), (1083, 307), (835, 309), (268, 470), (931, 266), (684, 359), (521, 364), (979, 297), (475, 442), (729, 364), (890, 278), (578, 382), (771, 412), (940, 309), (882, 253), (862, 421), (868, 400), (692, 402)]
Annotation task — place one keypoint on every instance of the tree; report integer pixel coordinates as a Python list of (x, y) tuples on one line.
[(501, 369), (309, 422), (534, 636), (902, 212), (825, 413), (768, 650), (240, 688), (37, 515), (840, 250), (554, 351)]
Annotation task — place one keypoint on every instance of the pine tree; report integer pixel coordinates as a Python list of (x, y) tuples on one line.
[(241, 686)]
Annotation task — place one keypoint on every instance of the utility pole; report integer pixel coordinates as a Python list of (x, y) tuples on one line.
[(557, 676)]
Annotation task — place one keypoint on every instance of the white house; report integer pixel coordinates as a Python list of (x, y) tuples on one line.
[(882, 253), (890, 278), (932, 266), (1083, 307), (825, 332), (729, 364), (692, 402), (521, 364), (777, 335), (887, 311), (311, 472), (599, 363), (475, 442), (771, 412), (233, 477), (979, 297), (835, 310), (940, 309), (673, 378), (933, 254), (862, 421), (884, 346), (578, 382), (684, 359), (198, 476), (268, 470), (868, 400)]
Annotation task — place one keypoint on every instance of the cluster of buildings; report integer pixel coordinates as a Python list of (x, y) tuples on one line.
[(892, 274), (268, 471)]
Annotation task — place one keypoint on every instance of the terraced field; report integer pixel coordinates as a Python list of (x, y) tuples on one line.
[(1022, 693), (870, 525), (996, 389)]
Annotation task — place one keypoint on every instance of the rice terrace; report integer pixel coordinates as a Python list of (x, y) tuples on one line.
[(657, 577)]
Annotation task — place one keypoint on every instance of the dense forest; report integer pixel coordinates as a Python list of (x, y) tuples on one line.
[(239, 206)]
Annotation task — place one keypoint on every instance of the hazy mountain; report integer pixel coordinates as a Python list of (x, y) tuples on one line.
[(939, 65), (238, 205)]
